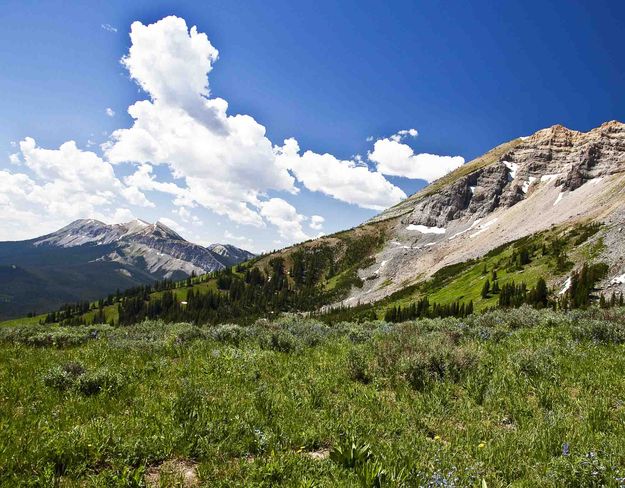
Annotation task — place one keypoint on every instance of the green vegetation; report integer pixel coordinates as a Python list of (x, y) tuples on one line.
[(519, 397), (307, 277), (544, 256)]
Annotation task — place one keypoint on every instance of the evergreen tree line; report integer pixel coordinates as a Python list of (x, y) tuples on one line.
[(423, 308), (236, 298), (71, 313)]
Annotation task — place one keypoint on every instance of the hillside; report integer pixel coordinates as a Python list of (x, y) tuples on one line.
[(555, 183), (88, 259), (556, 177)]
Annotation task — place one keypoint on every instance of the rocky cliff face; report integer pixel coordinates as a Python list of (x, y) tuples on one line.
[(568, 157)]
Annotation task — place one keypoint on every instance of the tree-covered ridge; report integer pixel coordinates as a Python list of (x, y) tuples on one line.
[(308, 278)]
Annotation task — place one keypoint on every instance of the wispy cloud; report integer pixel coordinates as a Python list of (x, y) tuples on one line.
[(108, 27)]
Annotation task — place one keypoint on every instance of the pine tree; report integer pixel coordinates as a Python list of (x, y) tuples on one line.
[(486, 289), (541, 293)]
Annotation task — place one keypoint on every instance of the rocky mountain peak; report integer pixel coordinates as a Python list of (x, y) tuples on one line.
[(566, 157), (230, 254), (613, 125)]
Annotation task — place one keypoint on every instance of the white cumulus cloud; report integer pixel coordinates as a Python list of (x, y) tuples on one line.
[(316, 222), (220, 161), (225, 160), (55, 186), (399, 135), (285, 217), (395, 158), (348, 180)]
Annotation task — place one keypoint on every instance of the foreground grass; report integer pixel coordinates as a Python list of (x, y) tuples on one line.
[(509, 398)]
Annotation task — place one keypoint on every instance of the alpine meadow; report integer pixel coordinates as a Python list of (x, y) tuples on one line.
[(195, 296)]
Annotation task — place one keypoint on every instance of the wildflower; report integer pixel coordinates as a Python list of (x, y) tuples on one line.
[(481, 445), (565, 449), (437, 437)]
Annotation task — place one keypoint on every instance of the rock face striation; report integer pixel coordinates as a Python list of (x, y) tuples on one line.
[(555, 176)]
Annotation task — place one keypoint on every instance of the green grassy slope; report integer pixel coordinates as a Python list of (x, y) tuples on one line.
[(464, 281), (514, 398)]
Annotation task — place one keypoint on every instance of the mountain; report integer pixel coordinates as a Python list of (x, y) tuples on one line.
[(555, 177), (535, 189), (230, 255), (89, 259)]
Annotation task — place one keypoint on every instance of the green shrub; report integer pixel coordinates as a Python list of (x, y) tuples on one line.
[(229, 334), (358, 365), (280, 341), (421, 358), (74, 376), (184, 333), (599, 331), (98, 381), (436, 364), (534, 362), (52, 336), (63, 377)]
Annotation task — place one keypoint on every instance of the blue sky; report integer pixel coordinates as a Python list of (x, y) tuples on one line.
[(466, 75)]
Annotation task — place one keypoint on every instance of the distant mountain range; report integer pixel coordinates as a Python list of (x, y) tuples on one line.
[(89, 259)]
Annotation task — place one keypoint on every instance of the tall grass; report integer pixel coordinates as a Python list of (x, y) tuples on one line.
[(519, 397)]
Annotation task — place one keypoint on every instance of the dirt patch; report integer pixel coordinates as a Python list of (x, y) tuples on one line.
[(319, 454), (173, 472)]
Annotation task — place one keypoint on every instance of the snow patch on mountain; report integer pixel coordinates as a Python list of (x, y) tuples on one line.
[(424, 229), (565, 287), (548, 178), (513, 168), (619, 280), (560, 196), (527, 184)]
